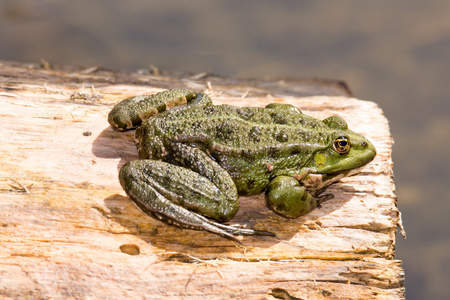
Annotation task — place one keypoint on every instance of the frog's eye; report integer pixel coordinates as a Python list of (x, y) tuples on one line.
[(341, 145)]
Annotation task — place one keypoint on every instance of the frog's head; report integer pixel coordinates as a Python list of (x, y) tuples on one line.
[(346, 151)]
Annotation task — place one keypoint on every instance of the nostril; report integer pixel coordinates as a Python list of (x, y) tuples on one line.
[(363, 143)]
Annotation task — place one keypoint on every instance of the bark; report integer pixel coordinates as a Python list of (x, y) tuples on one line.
[(69, 231)]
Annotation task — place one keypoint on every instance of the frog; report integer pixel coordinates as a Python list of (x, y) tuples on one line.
[(197, 158)]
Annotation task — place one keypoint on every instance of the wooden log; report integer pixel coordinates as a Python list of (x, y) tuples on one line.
[(69, 231)]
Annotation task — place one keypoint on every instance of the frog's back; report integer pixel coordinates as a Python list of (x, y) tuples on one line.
[(240, 128)]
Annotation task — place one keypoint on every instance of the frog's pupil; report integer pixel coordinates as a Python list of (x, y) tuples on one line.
[(342, 143)]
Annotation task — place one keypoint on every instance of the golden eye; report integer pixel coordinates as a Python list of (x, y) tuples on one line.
[(341, 145)]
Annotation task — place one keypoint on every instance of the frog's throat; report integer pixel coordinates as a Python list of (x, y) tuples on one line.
[(303, 173), (319, 181)]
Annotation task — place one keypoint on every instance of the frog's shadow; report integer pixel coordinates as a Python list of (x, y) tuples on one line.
[(253, 212), (114, 144)]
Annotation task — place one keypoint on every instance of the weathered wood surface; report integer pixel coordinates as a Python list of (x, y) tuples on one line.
[(68, 230)]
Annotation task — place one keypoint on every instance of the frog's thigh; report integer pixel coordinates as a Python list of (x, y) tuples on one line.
[(198, 161), (170, 190), (288, 198)]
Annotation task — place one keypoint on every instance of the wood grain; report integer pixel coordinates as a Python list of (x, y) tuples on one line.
[(69, 231)]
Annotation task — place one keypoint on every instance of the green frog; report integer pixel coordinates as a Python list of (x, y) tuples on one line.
[(196, 158)]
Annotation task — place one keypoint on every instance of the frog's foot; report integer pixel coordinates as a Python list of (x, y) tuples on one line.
[(319, 198), (322, 198), (131, 112), (236, 230), (182, 197), (199, 222)]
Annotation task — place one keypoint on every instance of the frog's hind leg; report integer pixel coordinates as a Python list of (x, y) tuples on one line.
[(199, 222), (181, 197), (131, 112)]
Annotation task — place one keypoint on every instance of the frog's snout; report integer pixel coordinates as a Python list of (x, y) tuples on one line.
[(368, 151), (362, 153)]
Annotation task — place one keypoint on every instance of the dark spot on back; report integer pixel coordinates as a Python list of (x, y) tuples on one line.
[(255, 134), (273, 151), (210, 109), (247, 155), (278, 118), (245, 113), (281, 137), (225, 130)]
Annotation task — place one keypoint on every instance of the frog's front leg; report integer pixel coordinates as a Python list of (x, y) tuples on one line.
[(182, 196), (288, 198), (131, 112)]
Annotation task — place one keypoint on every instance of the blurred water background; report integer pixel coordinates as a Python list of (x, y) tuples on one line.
[(396, 53)]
